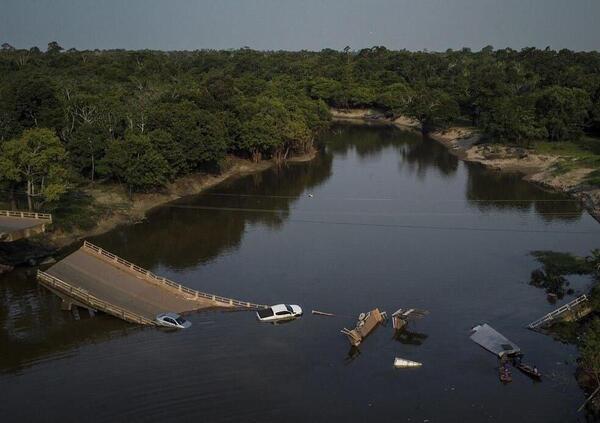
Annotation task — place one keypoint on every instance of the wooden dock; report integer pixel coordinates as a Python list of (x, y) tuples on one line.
[(15, 225), (98, 280)]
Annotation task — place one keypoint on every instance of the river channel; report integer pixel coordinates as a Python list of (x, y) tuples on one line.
[(380, 218)]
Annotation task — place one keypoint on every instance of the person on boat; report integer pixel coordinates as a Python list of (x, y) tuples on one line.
[(535, 370)]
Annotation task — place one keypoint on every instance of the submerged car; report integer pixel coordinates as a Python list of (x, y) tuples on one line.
[(279, 313), (172, 320)]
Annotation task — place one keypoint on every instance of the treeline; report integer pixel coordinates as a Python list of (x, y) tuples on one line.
[(511, 95), (145, 117)]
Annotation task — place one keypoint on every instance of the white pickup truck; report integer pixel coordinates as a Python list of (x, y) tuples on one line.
[(279, 312)]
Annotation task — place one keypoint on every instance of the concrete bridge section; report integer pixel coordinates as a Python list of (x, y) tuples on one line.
[(16, 225), (98, 280)]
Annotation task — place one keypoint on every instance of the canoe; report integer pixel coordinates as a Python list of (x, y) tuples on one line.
[(529, 371), (401, 363)]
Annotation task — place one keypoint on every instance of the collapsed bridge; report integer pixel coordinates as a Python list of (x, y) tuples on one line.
[(98, 280), (15, 225)]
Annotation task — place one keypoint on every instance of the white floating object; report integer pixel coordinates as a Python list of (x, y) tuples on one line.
[(310, 195), (401, 363)]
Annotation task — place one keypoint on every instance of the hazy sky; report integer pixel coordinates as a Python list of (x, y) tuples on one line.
[(301, 24)]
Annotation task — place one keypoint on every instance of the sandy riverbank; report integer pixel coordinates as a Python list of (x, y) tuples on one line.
[(463, 142), (536, 168)]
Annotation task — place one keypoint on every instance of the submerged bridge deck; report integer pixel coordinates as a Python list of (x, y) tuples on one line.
[(15, 225), (98, 280)]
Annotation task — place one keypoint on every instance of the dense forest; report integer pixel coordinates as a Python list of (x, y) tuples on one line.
[(143, 118)]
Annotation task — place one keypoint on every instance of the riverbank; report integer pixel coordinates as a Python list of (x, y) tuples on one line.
[(125, 210), (463, 142), (111, 206)]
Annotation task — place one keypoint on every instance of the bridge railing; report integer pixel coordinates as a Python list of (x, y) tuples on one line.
[(553, 314), (84, 297), (166, 282), (29, 215)]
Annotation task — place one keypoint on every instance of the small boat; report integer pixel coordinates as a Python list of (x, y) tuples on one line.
[(505, 376), (401, 363), (530, 371)]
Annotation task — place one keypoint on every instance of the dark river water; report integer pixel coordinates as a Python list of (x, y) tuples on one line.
[(394, 221)]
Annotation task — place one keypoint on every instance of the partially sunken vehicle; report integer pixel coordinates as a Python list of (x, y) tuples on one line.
[(279, 313), (172, 320)]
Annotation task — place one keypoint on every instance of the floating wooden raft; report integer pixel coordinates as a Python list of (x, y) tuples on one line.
[(365, 325)]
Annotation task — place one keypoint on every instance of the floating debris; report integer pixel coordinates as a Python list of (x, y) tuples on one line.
[(571, 312), (365, 325), (401, 317), (322, 313), (401, 363), (493, 341)]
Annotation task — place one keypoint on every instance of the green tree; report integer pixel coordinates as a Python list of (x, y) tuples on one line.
[(562, 111), (165, 145), (432, 108), (86, 148), (30, 101), (511, 119), (54, 47), (201, 134), (329, 90), (135, 162), (396, 98), (38, 160)]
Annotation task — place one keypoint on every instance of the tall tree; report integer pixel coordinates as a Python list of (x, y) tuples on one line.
[(563, 111), (37, 159), (136, 163)]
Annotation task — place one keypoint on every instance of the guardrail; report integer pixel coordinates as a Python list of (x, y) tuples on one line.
[(166, 282), (84, 297), (553, 314), (29, 215)]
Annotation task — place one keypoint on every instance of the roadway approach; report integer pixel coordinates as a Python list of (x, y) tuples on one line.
[(15, 225)]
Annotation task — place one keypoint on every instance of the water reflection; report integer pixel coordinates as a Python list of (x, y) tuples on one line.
[(368, 141), (418, 154), (33, 328), (422, 154), (407, 337), (207, 225), (488, 190)]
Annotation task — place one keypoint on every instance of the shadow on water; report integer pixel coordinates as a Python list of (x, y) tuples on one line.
[(368, 141), (421, 154), (486, 190), (197, 229), (407, 337), (34, 329)]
